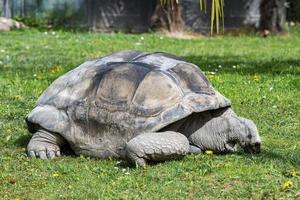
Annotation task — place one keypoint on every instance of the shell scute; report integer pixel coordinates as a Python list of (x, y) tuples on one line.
[(118, 85), (192, 79), (156, 92)]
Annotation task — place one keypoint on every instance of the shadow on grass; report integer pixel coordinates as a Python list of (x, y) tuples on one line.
[(265, 154), (22, 141), (246, 65), (272, 155)]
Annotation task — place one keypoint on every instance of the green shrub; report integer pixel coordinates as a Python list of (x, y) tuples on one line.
[(33, 21), (293, 13)]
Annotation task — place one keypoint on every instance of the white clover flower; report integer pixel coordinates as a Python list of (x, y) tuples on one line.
[(233, 66), (271, 88), (127, 173), (142, 38), (46, 33), (53, 33), (220, 66), (2, 50), (161, 37), (118, 162), (138, 44), (34, 75)]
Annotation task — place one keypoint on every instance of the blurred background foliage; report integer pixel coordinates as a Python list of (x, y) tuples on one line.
[(145, 15), (293, 13)]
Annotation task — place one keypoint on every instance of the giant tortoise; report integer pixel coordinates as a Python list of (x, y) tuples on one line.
[(139, 107)]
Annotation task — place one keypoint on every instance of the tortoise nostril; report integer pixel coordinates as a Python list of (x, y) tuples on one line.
[(252, 148), (257, 147), (248, 149)]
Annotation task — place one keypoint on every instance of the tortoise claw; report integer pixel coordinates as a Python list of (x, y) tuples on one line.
[(31, 154), (42, 155)]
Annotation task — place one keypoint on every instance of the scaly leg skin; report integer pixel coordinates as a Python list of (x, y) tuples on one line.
[(214, 135), (157, 146), (194, 149), (45, 144)]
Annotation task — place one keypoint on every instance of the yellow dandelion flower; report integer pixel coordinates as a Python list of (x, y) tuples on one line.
[(16, 97), (294, 173), (211, 76), (256, 78), (209, 152), (287, 184), (55, 174), (55, 69)]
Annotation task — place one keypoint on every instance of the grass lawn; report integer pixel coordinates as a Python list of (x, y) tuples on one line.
[(261, 76)]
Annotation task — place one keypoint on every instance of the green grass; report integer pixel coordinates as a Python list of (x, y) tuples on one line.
[(261, 76)]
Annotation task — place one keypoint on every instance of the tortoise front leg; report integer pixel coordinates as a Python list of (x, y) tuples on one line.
[(157, 146), (45, 144)]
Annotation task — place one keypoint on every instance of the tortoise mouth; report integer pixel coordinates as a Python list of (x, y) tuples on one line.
[(253, 148)]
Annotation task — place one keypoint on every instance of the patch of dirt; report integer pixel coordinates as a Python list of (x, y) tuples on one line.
[(183, 35)]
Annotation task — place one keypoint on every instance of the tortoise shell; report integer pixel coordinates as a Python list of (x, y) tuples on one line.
[(106, 102)]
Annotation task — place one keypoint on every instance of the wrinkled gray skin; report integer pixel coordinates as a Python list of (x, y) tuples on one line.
[(139, 107)]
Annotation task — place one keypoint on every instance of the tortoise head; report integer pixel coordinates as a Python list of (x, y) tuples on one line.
[(249, 138)]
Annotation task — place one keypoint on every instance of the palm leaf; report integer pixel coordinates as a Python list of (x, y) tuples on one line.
[(217, 12)]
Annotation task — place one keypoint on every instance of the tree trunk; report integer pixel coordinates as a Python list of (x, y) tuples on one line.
[(272, 16), (6, 9), (91, 7), (22, 8), (168, 16)]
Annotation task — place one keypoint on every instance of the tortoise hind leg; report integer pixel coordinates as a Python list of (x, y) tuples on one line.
[(45, 144), (157, 146)]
